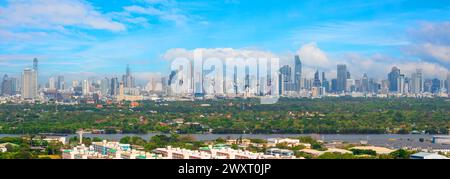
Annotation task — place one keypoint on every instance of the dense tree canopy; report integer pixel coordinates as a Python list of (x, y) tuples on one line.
[(326, 115)]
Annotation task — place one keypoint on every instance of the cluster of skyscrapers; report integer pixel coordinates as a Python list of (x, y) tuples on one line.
[(290, 82)]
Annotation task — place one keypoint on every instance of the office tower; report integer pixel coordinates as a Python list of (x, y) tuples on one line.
[(127, 79), (333, 85), (114, 86), (104, 86), (358, 85), (373, 86), (247, 78), (407, 87), (447, 84), (85, 87), (29, 84), (121, 90), (325, 83), (435, 85), (36, 69), (297, 73), (365, 83), (52, 83), (341, 78), (401, 84), (416, 82), (285, 80), (350, 85), (316, 82), (7, 86), (60, 83), (35, 64), (393, 79), (427, 84)]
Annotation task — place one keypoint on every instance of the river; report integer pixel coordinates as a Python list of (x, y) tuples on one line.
[(387, 140)]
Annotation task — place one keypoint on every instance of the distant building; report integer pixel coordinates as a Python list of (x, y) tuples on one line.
[(424, 155), (29, 86), (341, 78), (393, 78), (417, 82), (7, 86), (297, 73)]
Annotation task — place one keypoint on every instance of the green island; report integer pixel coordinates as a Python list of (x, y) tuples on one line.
[(344, 115)]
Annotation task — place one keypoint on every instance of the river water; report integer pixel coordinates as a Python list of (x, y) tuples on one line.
[(387, 140)]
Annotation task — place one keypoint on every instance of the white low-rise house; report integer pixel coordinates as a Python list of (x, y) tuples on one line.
[(106, 150), (210, 152), (61, 139), (272, 142), (425, 155)]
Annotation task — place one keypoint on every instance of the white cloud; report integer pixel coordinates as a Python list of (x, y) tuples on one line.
[(55, 15), (220, 53), (313, 56), (432, 42), (376, 66), (162, 9)]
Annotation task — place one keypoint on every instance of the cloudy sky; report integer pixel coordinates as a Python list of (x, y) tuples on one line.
[(84, 38)]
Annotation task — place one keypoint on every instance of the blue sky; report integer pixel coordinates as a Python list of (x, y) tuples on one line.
[(83, 38)]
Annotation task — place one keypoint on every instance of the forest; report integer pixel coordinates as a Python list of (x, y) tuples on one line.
[(344, 115)]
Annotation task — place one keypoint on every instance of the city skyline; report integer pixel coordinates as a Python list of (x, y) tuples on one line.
[(107, 36)]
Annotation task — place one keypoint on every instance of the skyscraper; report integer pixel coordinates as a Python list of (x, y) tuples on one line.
[(317, 82), (417, 82), (401, 84), (35, 64), (6, 86), (365, 83), (29, 86), (52, 83), (341, 78), (285, 79), (297, 73), (447, 86), (60, 83), (435, 85), (114, 86), (393, 77), (325, 83), (86, 87), (104, 86), (127, 79)]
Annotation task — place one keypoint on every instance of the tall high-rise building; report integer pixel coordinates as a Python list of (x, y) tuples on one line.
[(86, 87), (416, 82), (342, 76), (393, 77), (60, 83), (435, 85), (365, 83), (285, 79), (52, 83), (127, 79), (114, 86), (447, 84), (333, 85), (316, 82), (401, 84), (35, 64), (29, 84), (325, 83), (104, 86), (297, 73), (7, 86)]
